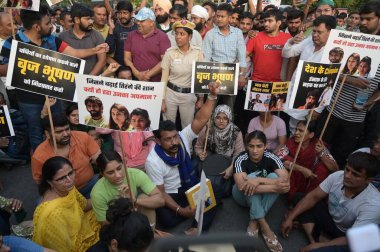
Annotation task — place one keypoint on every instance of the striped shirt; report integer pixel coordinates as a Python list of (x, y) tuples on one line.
[(268, 164), (221, 48), (344, 106)]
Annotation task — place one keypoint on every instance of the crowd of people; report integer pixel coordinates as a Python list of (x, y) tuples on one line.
[(112, 185)]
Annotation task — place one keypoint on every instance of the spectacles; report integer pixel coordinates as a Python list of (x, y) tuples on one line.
[(66, 177)]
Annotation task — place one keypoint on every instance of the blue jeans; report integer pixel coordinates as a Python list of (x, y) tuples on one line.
[(259, 204), (32, 116), (18, 244), (86, 190)]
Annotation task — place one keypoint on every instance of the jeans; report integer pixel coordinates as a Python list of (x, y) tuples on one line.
[(18, 244), (32, 116), (259, 204)]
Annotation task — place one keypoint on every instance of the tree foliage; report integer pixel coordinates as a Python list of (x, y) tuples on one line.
[(351, 5)]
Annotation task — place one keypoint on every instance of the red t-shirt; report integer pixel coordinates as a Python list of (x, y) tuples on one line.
[(267, 58)]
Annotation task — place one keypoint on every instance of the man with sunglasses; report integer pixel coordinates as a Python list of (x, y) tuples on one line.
[(76, 146)]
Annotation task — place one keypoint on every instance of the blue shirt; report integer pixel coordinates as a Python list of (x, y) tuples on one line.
[(230, 48)]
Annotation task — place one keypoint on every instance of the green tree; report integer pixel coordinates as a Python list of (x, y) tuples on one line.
[(351, 5)]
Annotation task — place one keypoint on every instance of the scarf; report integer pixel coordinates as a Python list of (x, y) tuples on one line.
[(222, 141), (183, 160)]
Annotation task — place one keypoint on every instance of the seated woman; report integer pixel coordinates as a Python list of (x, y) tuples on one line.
[(224, 138), (138, 143), (64, 220), (126, 230), (114, 184), (273, 127), (260, 177), (314, 162)]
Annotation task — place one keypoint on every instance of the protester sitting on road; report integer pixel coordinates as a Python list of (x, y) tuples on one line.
[(344, 200), (126, 230), (224, 138), (63, 221), (7, 207), (260, 177), (114, 184)]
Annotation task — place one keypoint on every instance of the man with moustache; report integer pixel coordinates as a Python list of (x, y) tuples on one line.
[(95, 107), (199, 17), (169, 166), (118, 33), (76, 146), (161, 10), (82, 36), (100, 19), (145, 47)]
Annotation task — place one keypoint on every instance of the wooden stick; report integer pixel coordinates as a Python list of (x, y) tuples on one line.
[(126, 171), (12, 23), (51, 123), (207, 133), (265, 119), (300, 144), (332, 107)]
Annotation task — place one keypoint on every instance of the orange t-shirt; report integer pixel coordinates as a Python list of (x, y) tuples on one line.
[(82, 148)]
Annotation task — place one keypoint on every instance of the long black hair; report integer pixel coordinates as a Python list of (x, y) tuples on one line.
[(49, 169)]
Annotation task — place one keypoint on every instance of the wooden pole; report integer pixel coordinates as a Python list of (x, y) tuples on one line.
[(12, 23), (332, 107), (47, 102), (300, 144), (207, 133), (265, 120), (126, 170)]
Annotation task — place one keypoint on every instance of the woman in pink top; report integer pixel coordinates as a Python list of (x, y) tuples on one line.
[(273, 127)]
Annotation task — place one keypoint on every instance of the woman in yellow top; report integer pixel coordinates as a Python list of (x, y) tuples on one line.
[(64, 220)]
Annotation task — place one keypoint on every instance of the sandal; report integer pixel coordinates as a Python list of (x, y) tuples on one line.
[(273, 245), (253, 233)]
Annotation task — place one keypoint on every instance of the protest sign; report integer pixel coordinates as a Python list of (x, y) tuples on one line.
[(6, 128), (265, 3), (266, 96), (110, 101), (358, 52), (33, 5), (314, 85), (42, 71), (205, 72), (54, 2)]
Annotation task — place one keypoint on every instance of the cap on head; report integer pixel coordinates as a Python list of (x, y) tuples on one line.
[(323, 2), (144, 14), (200, 11), (166, 5), (184, 24)]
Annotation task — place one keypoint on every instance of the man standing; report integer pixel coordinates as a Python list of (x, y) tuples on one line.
[(37, 32), (100, 19), (295, 19), (169, 166), (65, 20), (225, 44), (211, 8), (161, 10), (145, 47), (199, 17), (95, 107), (76, 146), (82, 36), (352, 201), (118, 33)]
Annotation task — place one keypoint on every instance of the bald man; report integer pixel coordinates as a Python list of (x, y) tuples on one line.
[(5, 27)]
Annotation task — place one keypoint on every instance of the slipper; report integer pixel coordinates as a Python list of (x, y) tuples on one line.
[(273, 245), (191, 231), (253, 233)]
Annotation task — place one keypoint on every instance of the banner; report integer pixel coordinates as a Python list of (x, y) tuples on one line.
[(6, 128), (266, 96), (42, 71), (265, 3), (314, 85), (108, 102), (33, 5), (355, 51), (205, 72)]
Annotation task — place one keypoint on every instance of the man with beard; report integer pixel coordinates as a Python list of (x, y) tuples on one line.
[(336, 55), (100, 19), (118, 33), (65, 20), (211, 8), (161, 10), (76, 146), (294, 19), (82, 36), (169, 166), (145, 47), (37, 31), (199, 17), (234, 20), (311, 100), (344, 200), (95, 107)]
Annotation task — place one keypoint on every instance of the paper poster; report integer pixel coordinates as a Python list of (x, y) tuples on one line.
[(266, 96), (205, 72), (6, 128), (42, 71), (314, 85), (265, 3), (108, 102), (33, 5)]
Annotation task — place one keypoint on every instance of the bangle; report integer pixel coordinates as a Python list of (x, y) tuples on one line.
[(212, 97), (176, 211)]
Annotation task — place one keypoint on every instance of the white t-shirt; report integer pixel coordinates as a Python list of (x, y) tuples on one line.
[(161, 173), (351, 212)]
